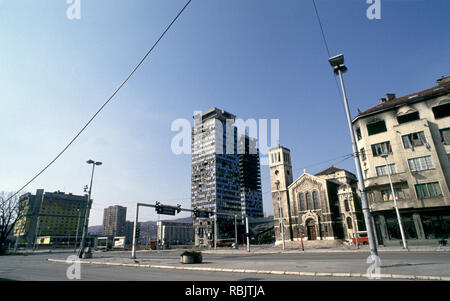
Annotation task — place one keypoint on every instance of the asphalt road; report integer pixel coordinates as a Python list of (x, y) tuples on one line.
[(36, 266)]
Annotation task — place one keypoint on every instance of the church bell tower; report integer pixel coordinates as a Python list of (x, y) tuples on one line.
[(280, 178)]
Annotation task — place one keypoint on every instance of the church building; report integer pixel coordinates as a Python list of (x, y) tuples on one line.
[(323, 207)]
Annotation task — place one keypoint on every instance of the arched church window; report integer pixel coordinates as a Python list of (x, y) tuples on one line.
[(347, 207), (301, 202), (349, 222), (308, 201), (315, 200)]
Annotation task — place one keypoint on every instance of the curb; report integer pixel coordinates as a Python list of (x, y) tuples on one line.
[(310, 274)]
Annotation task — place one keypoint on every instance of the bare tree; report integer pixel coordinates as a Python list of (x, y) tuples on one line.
[(9, 215)]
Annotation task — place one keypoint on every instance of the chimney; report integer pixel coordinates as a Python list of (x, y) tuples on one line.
[(382, 100), (389, 96)]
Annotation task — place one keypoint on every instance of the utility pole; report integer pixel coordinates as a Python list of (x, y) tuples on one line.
[(88, 209), (215, 232), (235, 230), (38, 222), (247, 233), (18, 234), (78, 225), (354, 222), (337, 63), (402, 233), (133, 248)]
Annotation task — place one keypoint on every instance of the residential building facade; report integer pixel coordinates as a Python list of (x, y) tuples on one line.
[(114, 221), (175, 233), (408, 137), (250, 177), (50, 214), (222, 180)]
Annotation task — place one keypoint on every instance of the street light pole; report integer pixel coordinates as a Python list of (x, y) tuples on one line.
[(88, 209), (402, 233), (78, 226), (337, 63)]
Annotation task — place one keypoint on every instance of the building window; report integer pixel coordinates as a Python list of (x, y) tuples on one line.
[(366, 173), (414, 139), (315, 200), (386, 194), (358, 133), (408, 117), (383, 148), (371, 196), (441, 111), (376, 127), (308, 201), (349, 223), (347, 207), (435, 226), (428, 190), (301, 201), (421, 163), (445, 136), (383, 170), (363, 154)]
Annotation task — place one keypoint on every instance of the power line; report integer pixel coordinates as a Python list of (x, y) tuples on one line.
[(326, 47), (109, 99)]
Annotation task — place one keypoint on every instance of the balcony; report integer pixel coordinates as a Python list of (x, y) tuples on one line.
[(384, 180)]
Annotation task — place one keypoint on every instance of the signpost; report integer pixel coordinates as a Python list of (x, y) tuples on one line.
[(300, 229), (172, 210)]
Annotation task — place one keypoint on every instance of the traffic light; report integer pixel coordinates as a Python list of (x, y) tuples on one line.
[(178, 208), (195, 213), (200, 213), (158, 207), (138, 232)]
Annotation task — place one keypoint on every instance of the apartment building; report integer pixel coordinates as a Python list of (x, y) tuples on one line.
[(224, 180), (175, 233), (114, 221), (408, 137), (50, 214)]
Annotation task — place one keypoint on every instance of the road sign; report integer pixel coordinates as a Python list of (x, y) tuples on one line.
[(166, 210)]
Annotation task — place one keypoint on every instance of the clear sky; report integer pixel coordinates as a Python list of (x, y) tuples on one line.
[(254, 58)]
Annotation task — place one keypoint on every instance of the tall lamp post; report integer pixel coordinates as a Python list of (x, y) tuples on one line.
[(402, 233), (88, 209), (337, 62)]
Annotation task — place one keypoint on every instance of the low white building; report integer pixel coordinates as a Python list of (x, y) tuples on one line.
[(175, 233)]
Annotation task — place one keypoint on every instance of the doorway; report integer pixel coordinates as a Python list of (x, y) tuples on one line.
[(311, 229)]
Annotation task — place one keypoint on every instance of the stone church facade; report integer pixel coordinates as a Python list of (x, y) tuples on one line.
[(323, 207)]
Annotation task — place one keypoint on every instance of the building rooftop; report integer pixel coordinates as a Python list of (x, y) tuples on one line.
[(391, 101), (329, 171), (216, 113)]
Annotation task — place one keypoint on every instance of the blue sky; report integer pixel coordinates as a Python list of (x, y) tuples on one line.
[(254, 58)]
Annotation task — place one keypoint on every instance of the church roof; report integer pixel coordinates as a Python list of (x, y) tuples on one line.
[(329, 171)]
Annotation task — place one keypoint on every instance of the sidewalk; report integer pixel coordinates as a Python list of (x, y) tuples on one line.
[(343, 249)]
